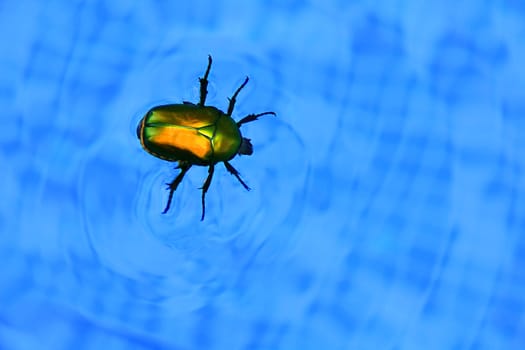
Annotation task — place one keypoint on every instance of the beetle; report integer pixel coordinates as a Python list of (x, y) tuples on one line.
[(196, 134)]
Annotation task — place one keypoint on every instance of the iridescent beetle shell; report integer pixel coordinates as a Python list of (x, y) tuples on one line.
[(189, 132), (195, 134)]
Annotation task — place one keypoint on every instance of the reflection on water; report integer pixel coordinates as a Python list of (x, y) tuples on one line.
[(386, 194)]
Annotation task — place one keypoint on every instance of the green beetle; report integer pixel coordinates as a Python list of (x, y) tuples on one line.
[(195, 134)]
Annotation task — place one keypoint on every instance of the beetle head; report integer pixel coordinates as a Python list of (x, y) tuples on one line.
[(246, 147)]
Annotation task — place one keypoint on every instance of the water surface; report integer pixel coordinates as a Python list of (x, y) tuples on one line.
[(387, 199)]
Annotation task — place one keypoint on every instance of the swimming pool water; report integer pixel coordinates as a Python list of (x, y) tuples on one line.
[(388, 196)]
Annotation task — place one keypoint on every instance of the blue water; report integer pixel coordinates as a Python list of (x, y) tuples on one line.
[(387, 208)]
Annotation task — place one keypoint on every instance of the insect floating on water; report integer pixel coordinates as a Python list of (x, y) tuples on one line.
[(196, 134)]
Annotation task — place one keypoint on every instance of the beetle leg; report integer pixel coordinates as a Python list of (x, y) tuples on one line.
[(206, 186), (233, 99), (235, 173), (252, 117), (175, 183), (204, 84)]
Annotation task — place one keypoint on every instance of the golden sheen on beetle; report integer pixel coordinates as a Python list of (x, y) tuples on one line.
[(196, 134)]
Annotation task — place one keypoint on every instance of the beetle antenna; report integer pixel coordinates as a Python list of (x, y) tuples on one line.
[(252, 117)]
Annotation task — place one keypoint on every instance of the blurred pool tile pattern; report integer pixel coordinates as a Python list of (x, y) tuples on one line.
[(388, 201)]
